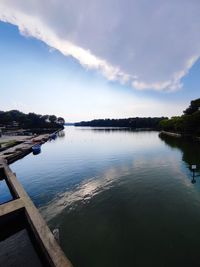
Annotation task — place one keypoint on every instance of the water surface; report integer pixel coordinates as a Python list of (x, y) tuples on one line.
[(119, 197)]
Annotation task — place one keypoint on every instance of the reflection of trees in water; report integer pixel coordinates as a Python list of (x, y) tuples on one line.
[(114, 129), (107, 130), (61, 134), (189, 148)]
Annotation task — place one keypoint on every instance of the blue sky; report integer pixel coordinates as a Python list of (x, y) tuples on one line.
[(38, 77)]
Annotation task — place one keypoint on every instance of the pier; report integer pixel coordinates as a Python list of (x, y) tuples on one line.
[(177, 135), (25, 239), (24, 148)]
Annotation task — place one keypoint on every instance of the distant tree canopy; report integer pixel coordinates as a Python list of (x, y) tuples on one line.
[(188, 123), (30, 120), (135, 123), (194, 106), (52, 118)]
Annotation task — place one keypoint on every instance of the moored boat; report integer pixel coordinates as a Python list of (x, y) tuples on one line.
[(36, 149), (53, 136)]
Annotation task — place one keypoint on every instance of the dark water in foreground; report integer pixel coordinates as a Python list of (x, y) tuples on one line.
[(119, 198)]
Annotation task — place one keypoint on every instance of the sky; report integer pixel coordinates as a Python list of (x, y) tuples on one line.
[(92, 59)]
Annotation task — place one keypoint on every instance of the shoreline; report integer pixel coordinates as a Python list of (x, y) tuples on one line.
[(178, 135), (19, 151)]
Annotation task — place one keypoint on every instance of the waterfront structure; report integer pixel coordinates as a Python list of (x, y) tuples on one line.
[(25, 239)]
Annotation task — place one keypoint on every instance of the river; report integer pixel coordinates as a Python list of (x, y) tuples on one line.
[(119, 197)]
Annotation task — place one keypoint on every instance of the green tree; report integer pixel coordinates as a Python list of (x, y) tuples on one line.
[(52, 118), (194, 106)]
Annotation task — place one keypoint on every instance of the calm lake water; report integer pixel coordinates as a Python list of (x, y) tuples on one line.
[(119, 197)]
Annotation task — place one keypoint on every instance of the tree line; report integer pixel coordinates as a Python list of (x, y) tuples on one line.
[(152, 123), (188, 123), (30, 120)]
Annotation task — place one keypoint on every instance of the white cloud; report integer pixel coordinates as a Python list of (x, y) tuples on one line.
[(151, 44)]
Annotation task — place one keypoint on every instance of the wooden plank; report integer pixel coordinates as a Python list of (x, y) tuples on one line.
[(11, 206), (37, 223)]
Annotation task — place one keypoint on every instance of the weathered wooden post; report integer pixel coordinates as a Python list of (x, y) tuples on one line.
[(193, 173)]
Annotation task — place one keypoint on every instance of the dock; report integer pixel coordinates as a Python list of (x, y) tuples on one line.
[(24, 148), (25, 238), (177, 135), (22, 226)]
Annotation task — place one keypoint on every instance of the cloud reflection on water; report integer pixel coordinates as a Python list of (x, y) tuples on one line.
[(84, 192), (93, 186)]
